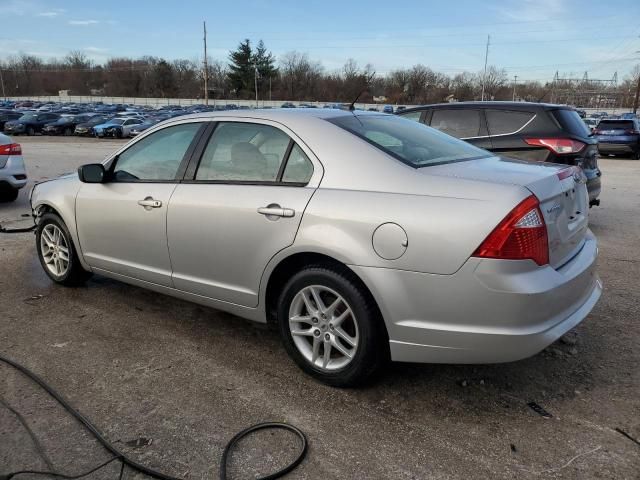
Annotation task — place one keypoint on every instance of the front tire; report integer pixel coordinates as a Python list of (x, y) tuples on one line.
[(31, 131), (331, 328), (57, 253)]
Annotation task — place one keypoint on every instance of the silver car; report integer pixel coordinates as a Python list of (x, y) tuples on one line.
[(363, 236), (13, 174)]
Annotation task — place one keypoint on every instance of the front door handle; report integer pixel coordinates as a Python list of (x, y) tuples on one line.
[(148, 203), (275, 210)]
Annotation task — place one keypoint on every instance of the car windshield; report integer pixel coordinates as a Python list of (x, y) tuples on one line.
[(410, 142), (29, 117), (117, 121)]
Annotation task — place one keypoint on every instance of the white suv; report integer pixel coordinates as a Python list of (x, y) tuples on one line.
[(13, 175)]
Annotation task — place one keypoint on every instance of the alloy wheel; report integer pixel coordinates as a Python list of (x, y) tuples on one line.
[(323, 327), (55, 250)]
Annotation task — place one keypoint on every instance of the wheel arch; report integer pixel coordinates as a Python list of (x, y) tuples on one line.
[(285, 266)]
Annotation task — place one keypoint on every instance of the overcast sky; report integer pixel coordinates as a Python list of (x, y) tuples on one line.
[(529, 38)]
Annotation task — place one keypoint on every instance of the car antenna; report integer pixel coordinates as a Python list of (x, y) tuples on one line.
[(352, 105)]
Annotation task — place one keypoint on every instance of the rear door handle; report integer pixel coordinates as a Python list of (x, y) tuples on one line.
[(148, 203), (275, 210)]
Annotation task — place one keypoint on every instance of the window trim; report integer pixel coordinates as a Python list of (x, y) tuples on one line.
[(191, 170), (183, 163)]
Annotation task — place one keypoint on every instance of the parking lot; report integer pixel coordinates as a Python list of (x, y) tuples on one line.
[(185, 379)]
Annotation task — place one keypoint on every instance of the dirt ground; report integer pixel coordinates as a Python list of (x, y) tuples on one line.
[(186, 378)]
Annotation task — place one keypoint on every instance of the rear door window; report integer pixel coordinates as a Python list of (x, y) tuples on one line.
[(505, 122), (571, 122), (458, 123)]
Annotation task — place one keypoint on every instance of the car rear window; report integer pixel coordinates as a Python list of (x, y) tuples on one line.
[(615, 125), (505, 122), (410, 142), (571, 122)]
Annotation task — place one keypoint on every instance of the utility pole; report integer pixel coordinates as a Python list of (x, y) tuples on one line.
[(515, 81), (255, 80), (486, 56), (269, 87), (635, 102), (206, 68)]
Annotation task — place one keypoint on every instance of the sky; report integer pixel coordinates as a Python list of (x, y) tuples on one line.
[(529, 38)]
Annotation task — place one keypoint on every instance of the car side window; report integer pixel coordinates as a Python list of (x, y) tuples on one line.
[(157, 156), (460, 123), (504, 122), (415, 116), (239, 151), (299, 168)]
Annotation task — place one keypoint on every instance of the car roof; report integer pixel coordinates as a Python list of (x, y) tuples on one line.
[(284, 115), (491, 104)]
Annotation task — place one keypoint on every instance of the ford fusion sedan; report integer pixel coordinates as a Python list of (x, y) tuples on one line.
[(363, 236)]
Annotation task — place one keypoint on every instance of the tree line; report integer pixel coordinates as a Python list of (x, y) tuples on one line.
[(292, 76)]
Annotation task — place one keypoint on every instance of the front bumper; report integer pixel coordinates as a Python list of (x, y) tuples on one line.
[(20, 128), (490, 311)]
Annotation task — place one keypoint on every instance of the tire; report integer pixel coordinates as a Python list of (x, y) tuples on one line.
[(74, 275), (31, 132), (68, 132), (365, 327), (9, 195)]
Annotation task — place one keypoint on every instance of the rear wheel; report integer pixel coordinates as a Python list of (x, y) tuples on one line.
[(68, 132), (31, 131), (331, 328), (57, 253)]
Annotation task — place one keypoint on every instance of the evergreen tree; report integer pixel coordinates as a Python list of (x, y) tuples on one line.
[(265, 63), (241, 69)]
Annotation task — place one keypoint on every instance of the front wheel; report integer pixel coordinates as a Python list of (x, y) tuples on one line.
[(31, 131), (57, 253), (331, 328)]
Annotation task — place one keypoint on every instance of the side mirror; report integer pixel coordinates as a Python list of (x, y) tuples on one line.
[(92, 173)]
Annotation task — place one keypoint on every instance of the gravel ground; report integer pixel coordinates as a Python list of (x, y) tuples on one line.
[(185, 378)]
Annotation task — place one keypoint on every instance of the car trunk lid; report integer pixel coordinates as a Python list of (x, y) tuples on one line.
[(561, 191)]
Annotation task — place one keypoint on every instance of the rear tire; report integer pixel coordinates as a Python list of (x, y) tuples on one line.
[(57, 253), (68, 132), (31, 132), (353, 331)]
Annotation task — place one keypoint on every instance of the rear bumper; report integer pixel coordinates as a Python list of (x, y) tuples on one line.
[(613, 148), (490, 311), (14, 174)]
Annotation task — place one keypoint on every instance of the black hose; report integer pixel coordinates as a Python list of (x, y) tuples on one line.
[(117, 454), (18, 230)]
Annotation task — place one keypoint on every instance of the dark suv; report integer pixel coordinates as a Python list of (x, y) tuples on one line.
[(536, 132), (617, 137)]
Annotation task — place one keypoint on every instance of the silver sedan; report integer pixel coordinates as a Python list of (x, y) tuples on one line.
[(365, 237)]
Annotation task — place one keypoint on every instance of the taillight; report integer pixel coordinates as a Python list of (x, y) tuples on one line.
[(557, 145), (521, 235), (11, 149)]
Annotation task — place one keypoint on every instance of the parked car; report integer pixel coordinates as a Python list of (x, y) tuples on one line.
[(86, 128), (591, 123), (466, 257), (8, 115), (65, 125), (617, 137), (287, 105), (13, 174), (629, 116), (535, 132), (387, 109), (138, 129), (124, 125), (30, 123)]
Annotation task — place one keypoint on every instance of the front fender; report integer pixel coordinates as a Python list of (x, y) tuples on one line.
[(60, 196)]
